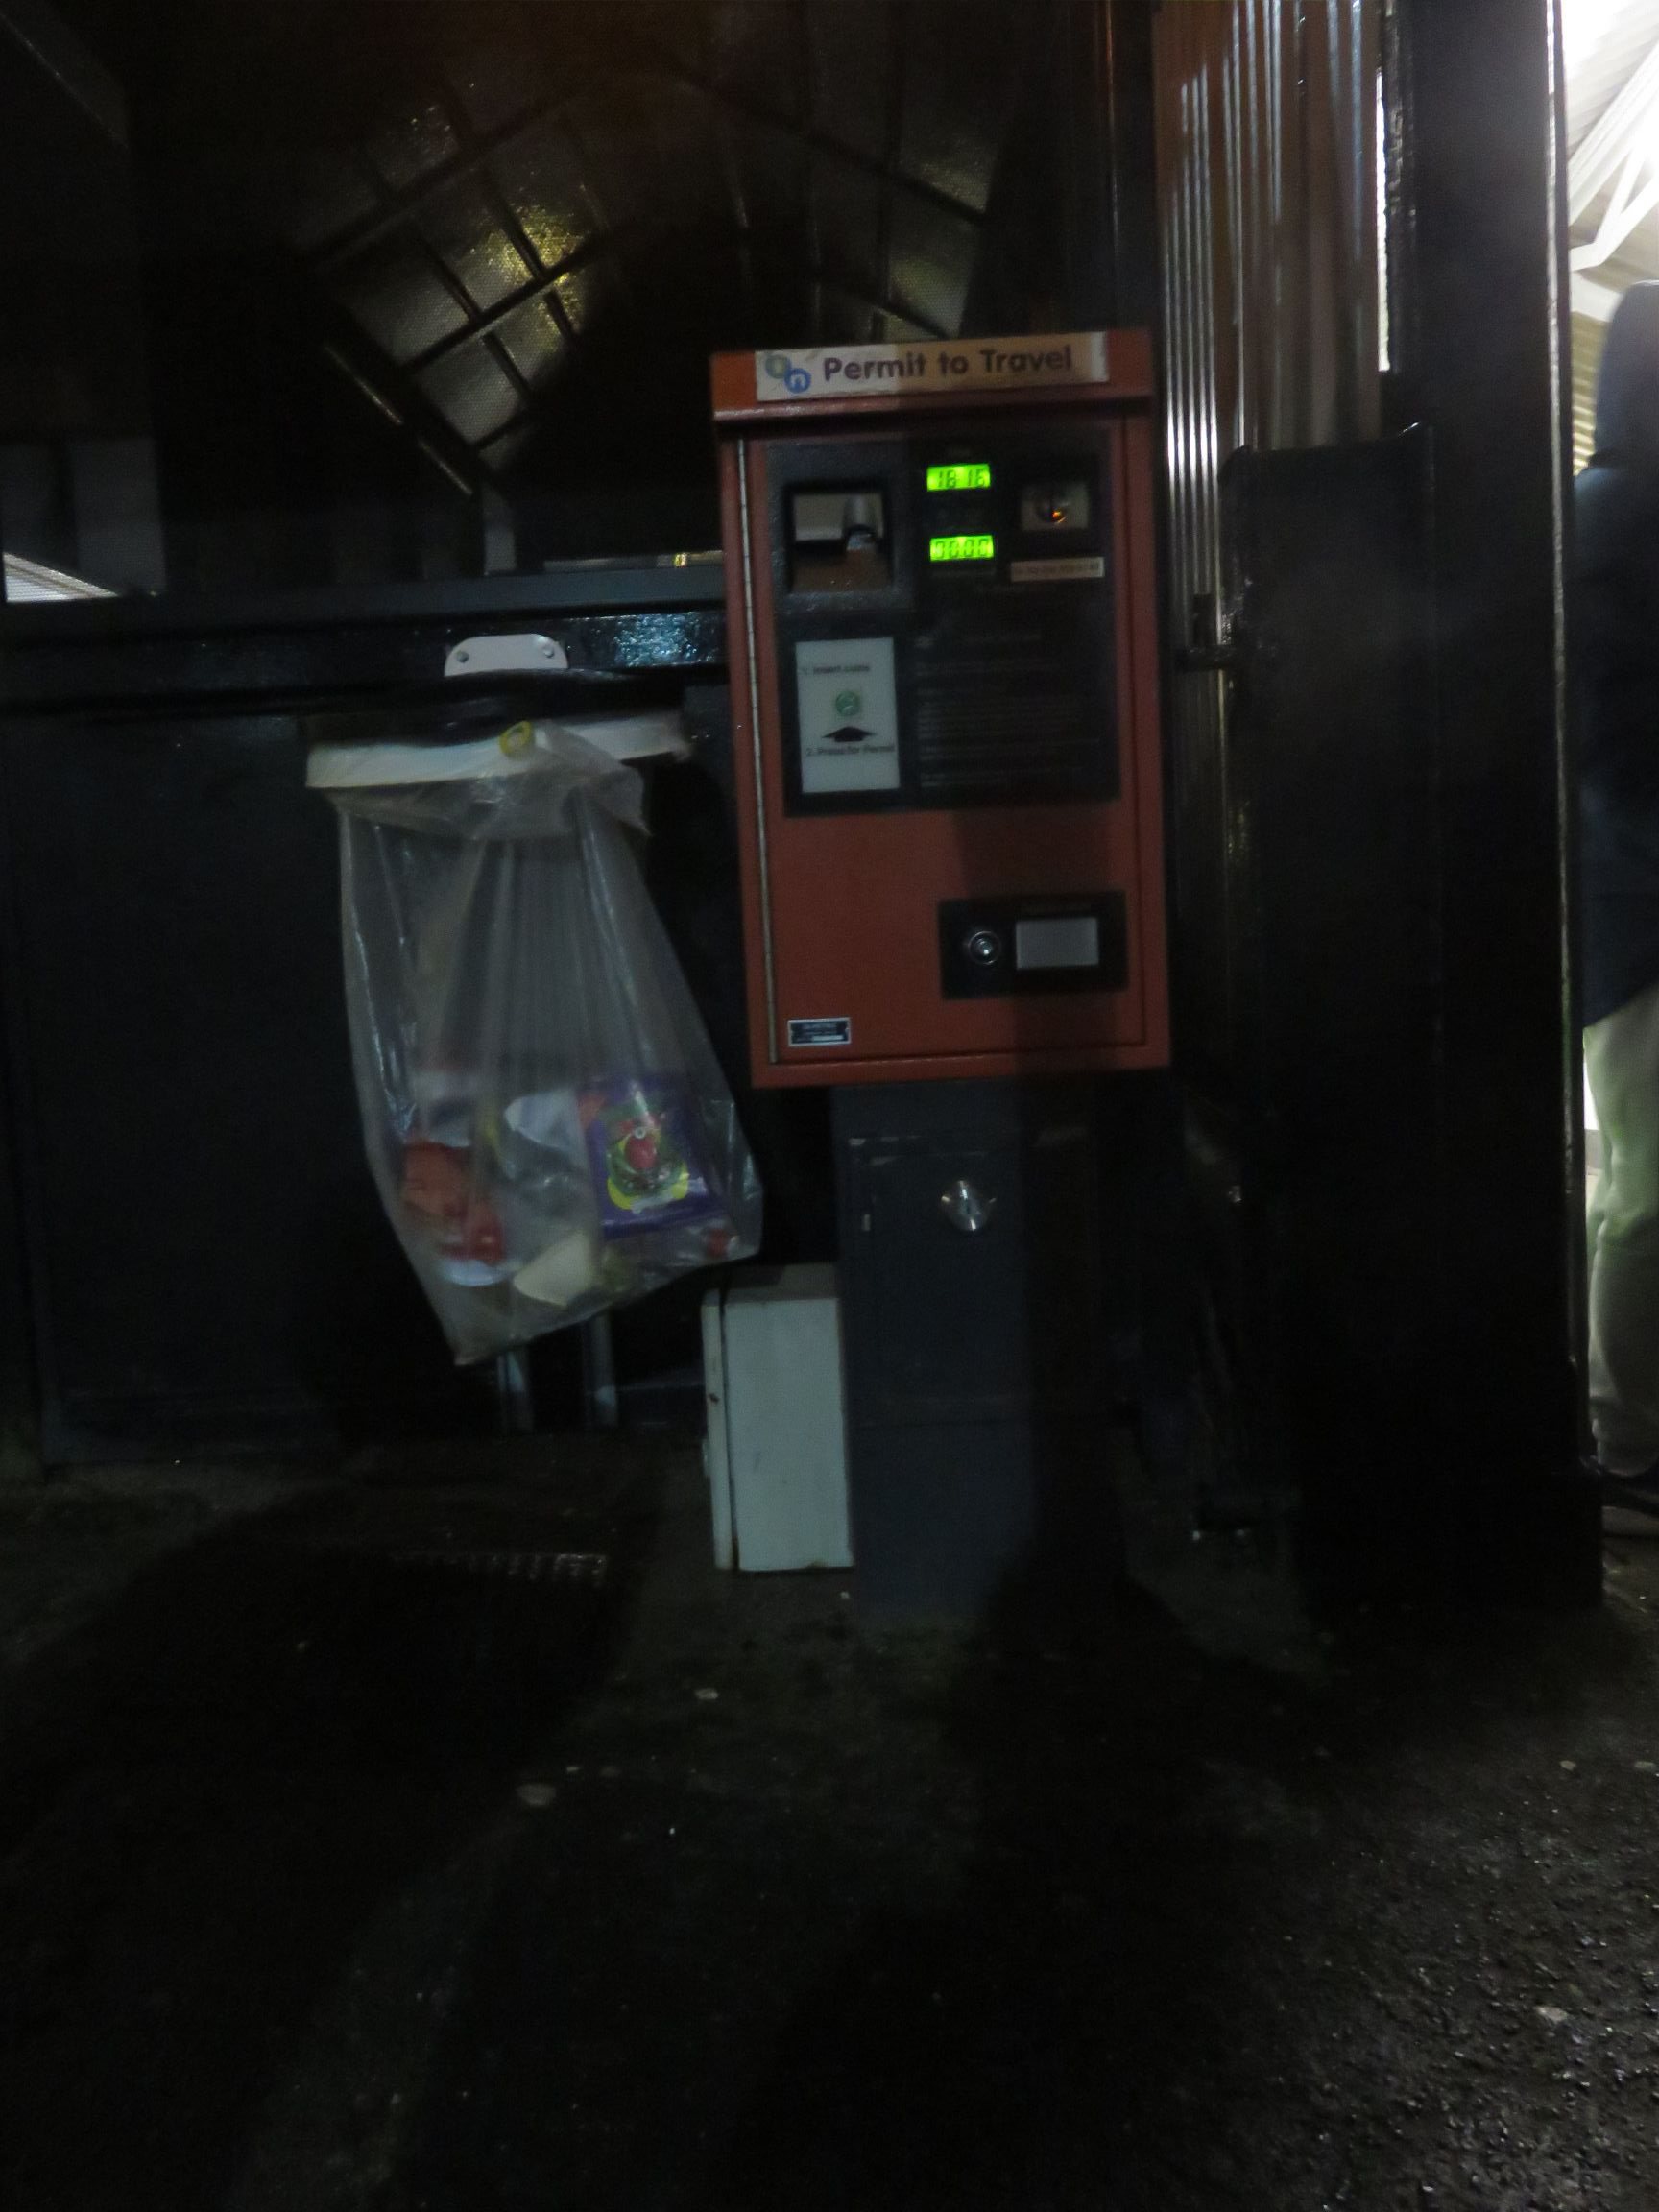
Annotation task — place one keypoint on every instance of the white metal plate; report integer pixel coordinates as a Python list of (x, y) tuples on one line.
[(521, 653)]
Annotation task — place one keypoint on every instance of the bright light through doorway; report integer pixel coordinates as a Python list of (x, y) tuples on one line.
[(1584, 24)]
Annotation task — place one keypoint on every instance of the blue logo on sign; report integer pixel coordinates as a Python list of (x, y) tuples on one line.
[(779, 367)]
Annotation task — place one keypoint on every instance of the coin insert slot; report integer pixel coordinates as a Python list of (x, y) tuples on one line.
[(1049, 510)]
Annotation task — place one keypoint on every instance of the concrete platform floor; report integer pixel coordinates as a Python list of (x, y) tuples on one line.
[(360, 1849)]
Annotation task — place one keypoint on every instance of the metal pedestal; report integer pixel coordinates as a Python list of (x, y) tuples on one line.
[(974, 1330)]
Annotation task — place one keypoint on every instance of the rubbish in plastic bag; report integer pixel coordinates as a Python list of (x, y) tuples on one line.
[(545, 1116)]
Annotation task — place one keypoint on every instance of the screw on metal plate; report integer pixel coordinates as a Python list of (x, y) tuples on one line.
[(967, 1208)]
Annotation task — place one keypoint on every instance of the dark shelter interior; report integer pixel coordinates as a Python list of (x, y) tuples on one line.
[(431, 291), (396, 1807), (333, 301)]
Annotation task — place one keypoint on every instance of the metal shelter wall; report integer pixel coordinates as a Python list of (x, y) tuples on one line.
[(1435, 1428), (1267, 164)]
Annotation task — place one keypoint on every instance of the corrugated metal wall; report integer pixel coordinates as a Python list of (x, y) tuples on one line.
[(1589, 337), (1606, 42), (1267, 201)]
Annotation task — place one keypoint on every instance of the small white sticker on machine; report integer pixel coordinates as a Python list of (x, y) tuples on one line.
[(848, 716)]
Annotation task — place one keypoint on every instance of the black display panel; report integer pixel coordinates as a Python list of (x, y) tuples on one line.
[(944, 619)]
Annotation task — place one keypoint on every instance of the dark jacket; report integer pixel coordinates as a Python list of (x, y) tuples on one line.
[(1616, 665)]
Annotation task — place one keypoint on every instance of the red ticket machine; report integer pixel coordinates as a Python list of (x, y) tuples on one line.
[(943, 644)]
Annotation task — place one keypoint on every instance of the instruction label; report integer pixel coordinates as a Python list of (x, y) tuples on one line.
[(848, 706), (958, 365), (1066, 569)]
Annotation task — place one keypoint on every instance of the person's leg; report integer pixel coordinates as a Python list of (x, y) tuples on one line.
[(1622, 1058)]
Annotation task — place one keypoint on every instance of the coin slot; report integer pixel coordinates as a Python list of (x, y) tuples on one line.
[(1051, 510)]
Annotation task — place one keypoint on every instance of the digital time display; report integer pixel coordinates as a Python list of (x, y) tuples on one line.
[(960, 476), (980, 547)]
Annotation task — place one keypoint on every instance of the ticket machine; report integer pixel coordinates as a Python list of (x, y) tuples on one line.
[(942, 648), (940, 564)]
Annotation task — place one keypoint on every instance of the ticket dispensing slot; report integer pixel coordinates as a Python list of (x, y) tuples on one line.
[(838, 539)]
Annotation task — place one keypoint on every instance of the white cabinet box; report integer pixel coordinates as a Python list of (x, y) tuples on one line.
[(776, 1435)]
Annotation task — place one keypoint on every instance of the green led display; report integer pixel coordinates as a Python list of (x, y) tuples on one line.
[(960, 476), (975, 548)]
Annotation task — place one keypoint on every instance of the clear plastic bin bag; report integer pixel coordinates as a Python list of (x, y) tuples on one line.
[(545, 1116)]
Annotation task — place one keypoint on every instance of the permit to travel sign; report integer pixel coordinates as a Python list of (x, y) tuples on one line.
[(930, 365)]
